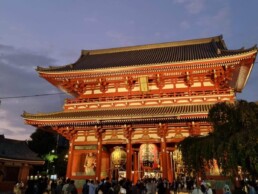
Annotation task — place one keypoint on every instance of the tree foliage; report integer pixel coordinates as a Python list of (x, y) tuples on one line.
[(232, 143), (50, 157), (42, 142)]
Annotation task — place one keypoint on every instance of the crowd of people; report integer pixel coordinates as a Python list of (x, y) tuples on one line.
[(146, 185), (105, 186), (125, 186), (46, 186), (248, 187)]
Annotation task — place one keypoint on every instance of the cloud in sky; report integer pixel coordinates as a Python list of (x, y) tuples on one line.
[(120, 38), (29, 37), (10, 127), (192, 6), (19, 78), (185, 25), (90, 19), (217, 22)]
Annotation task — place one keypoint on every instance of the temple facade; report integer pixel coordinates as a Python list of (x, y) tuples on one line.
[(143, 99)]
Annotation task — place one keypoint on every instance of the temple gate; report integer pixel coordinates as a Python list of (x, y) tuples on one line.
[(155, 94)]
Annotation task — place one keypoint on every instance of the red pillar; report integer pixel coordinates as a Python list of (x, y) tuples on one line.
[(170, 174), (164, 158), (70, 159), (136, 168), (99, 157), (23, 173), (129, 159), (128, 135)]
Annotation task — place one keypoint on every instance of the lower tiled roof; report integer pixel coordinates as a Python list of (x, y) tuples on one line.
[(11, 149), (140, 113)]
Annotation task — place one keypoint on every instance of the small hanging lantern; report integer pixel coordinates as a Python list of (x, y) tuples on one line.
[(118, 157), (149, 155)]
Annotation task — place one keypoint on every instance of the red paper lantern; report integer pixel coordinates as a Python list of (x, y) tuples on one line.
[(149, 156)]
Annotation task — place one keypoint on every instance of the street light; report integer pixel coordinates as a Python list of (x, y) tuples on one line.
[(50, 158)]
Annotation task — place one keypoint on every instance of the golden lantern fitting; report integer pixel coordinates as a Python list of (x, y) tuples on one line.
[(118, 157)]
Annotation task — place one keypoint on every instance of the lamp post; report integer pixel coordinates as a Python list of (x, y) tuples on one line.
[(50, 157)]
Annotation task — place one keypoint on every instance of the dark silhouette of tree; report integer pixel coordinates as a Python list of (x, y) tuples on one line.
[(52, 148), (233, 142), (42, 142)]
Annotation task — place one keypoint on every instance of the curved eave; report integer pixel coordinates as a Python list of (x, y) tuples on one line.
[(244, 73), (132, 112), (116, 121), (245, 54), (52, 119), (78, 119), (32, 162), (243, 76)]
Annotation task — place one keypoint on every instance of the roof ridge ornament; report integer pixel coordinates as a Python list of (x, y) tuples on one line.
[(214, 44)]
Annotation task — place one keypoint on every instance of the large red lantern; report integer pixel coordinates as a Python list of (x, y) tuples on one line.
[(149, 156)]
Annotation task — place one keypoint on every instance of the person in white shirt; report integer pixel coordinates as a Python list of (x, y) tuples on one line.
[(208, 188), (197, 190)]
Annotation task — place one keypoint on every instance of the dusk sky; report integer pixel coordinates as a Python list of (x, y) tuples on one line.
[(53, 33)]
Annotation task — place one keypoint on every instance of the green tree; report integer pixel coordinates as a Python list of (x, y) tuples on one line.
[(232, 143), (196, 151), (236, 135)]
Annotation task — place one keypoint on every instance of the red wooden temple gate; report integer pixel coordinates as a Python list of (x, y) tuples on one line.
[(150, 94)]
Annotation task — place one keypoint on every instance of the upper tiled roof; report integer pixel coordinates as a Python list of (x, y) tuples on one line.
[(206, 48), (17, 150)]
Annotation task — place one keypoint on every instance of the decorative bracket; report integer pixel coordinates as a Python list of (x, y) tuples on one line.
[(188, 79), (130, 83), (103, 87), (162, 130), (128, 131), (99, 131), (159, 80)]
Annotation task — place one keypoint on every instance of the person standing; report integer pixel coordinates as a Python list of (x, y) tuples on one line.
[(85, 188), (107, 185), (208, 188), (160, 187), (59, 187), (92, 187), (64, 189), (71, 189), (148, 186), (17, 188), (226, 189), (197, 190), (250, 187), (174, 186)]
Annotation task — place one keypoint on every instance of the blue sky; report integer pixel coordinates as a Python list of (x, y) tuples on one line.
[(42, 33)]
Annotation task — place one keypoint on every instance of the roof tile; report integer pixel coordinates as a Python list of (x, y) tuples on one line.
[(151, 54)]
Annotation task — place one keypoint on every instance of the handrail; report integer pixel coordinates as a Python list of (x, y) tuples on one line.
[(145, 96)]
